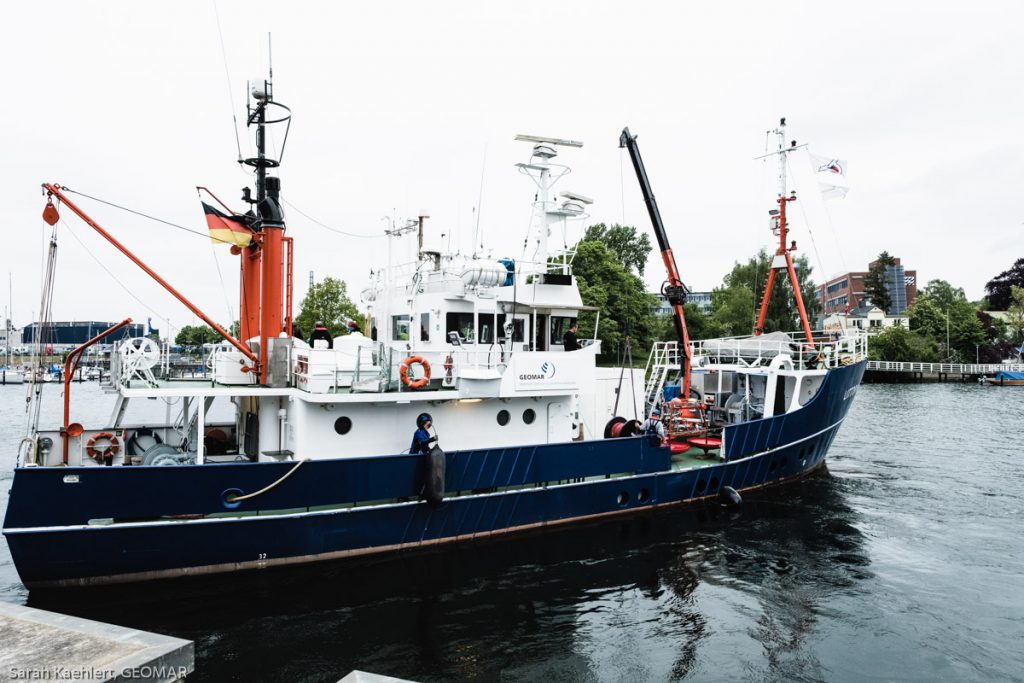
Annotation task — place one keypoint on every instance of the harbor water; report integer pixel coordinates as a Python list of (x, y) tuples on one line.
[(903, 561)]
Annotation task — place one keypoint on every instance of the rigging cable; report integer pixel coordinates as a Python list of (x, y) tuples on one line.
[(145, 215), (324, 226), (810, 233), (35, 390), (227, 74), (114, 277)]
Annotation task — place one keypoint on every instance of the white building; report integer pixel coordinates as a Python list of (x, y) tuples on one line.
[(873, 320)]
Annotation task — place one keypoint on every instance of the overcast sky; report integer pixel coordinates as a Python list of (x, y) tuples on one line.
[(405, 106)]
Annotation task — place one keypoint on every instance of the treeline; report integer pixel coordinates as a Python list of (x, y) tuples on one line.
[(945, 327), (609, 264)]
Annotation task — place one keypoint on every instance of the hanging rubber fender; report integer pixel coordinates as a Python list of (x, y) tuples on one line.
[(403, 372), (613, 429), (729, 497), (133, 445), (113, 446), (433, 489)]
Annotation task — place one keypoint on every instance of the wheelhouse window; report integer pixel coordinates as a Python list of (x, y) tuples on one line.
[(518, 329), (559, 326), (462, 323), (486, 331), (400, 327)]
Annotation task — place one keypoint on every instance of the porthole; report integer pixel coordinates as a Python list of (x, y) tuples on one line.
[(623, 498), (701, 484), (714, 483), (773, 466), (503, 417), (343, 425), (643, 496), (529, 416)]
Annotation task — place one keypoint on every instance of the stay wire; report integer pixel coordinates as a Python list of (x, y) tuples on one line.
[(325, 226), (227, 74), (810, 233), (114, 277), (146, 215)]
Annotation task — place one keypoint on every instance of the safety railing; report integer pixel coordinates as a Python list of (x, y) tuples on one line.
[(945, 368), (755, 351)]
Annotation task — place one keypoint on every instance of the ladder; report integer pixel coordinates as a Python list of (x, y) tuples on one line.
[(664, 359)]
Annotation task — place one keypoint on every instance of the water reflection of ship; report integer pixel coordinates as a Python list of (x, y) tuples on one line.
[(530, 607)]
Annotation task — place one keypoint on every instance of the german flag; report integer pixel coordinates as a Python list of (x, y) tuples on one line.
[(225, 229)]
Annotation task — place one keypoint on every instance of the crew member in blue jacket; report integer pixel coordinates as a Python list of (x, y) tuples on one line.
[(422, 439)]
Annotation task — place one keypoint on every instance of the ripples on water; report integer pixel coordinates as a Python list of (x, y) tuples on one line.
[(902, 562)]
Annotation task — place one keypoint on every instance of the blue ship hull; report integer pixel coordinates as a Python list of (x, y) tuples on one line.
[(93, 525)]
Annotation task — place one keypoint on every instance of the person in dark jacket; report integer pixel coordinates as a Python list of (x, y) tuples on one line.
[(569, 341), (422, 439), (653, 426), (320, 331)]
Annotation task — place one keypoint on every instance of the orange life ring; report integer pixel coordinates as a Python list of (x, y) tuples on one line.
[(109, 451), (403, 372)]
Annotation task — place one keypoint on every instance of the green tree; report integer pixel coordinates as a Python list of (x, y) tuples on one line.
[(1015, 313), (326, 301), (629, 248), (735, 304), (194, 336), (1000, 288), (699, 325), (900, 344), (997, 342), (875, 282), (626, 308), (942, 314)]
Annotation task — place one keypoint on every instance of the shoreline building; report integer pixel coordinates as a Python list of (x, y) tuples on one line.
[(702, 300), (871, 319), (846, 292), (66, 335)]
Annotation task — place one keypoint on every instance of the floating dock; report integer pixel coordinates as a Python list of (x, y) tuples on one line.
[(46, 646)]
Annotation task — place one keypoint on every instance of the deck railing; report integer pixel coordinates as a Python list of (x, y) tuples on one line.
[(753, 351)]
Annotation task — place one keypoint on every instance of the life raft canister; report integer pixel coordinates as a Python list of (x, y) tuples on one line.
[(113, 446), (403, 372)]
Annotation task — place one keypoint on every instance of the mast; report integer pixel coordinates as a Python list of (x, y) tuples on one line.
[(263, 265), (674, 290), (545, 213), (784, 254)]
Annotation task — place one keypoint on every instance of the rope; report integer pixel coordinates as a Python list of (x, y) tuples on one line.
[(237, 499)]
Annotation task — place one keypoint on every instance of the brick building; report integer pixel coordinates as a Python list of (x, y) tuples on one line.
[(846, 291)]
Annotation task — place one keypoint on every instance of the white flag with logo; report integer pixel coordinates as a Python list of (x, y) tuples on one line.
[(831, 176)]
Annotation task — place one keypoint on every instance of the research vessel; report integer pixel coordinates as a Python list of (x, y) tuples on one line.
[(314, 464)]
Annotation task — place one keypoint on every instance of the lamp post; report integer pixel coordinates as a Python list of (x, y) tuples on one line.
[(948, 354)]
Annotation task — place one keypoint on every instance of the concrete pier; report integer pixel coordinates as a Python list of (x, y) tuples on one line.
[(45, 646)]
